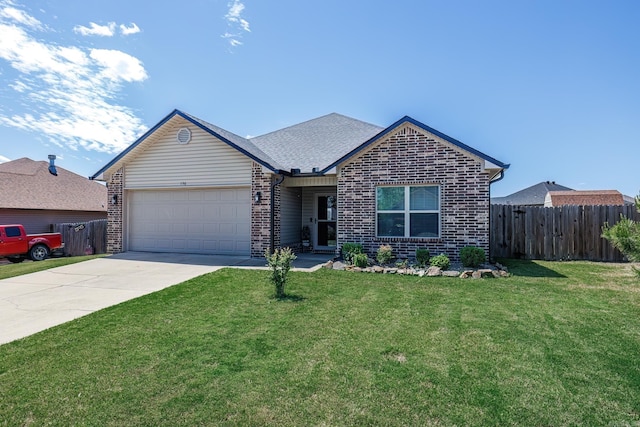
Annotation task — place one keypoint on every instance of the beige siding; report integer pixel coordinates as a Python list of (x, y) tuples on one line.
[(291, 210), (204, 162), (313, 181)]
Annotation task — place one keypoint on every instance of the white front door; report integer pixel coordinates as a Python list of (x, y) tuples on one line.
[(326, 221)]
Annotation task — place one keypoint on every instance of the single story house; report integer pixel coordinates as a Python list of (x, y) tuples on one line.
[(530, 196), (584, 198), (189, 186), (33, 196)]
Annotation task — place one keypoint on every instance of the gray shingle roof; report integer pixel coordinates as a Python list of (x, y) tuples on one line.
[(242, 143), (27, 184), (530, 196), (316, 143)]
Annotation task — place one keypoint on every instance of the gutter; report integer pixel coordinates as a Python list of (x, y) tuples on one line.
[(498, 179)]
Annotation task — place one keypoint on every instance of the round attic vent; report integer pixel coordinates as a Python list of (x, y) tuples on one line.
[(183, 136)]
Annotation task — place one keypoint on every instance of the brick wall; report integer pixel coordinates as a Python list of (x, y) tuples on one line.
[(409, 156), (114, 213), (261, 212)]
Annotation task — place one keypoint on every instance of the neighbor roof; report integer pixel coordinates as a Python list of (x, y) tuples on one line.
[(586, 197), (27, 184), (530, 196)]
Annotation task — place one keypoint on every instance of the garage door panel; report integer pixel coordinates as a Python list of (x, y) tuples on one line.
[(213, 221)]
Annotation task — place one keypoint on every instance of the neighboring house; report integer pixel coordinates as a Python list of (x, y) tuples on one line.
[(32, 196), (583, 198), (530, 196), (189, 186)]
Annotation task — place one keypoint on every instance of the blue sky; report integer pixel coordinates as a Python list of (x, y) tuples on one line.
[(551, 87)]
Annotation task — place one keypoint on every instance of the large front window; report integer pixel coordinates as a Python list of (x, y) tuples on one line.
[(408, 211)]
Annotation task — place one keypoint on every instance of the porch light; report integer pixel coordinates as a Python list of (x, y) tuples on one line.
[(257, 197), (114, 199)]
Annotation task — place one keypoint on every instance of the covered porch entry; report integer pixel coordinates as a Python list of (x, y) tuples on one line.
[(309, 202)]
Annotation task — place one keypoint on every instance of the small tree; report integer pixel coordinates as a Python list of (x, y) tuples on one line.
[(279, 264)]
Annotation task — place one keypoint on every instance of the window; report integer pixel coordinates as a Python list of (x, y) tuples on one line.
[(408, 211), (12, 231)]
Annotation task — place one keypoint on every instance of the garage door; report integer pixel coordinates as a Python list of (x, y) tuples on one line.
[(207, 221)]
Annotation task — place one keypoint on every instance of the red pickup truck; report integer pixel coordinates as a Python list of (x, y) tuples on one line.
[(16, 245)]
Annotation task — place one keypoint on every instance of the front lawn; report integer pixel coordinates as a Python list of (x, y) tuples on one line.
[(557, 344), (11, 270)]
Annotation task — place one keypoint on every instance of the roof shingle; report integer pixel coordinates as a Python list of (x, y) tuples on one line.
[(27, 184)]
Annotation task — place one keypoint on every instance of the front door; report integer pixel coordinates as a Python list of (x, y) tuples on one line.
[(326, 221)]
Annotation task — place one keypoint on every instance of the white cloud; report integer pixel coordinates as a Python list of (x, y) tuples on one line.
[(4, 159), (96, 30), (235, 20), (67, 93), (131, 29), (19, 16), (119, 65)]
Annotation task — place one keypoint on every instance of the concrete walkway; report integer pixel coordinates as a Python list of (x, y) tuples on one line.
[(37, 301)]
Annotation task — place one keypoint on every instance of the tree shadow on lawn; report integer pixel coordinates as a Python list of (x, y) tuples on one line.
[(289, 297), (529, 268)]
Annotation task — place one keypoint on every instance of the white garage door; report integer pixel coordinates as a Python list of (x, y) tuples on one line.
[(207, 221)]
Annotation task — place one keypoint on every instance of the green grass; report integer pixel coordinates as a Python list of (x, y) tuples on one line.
[(26, 267), (557, 344)]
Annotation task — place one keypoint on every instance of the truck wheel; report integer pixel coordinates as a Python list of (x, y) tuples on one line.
[(39, 252), (16, 260)]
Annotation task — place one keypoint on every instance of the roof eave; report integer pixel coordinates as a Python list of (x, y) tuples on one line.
[(100, 174)]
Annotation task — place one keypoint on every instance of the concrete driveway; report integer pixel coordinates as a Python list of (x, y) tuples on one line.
[(37, 301)]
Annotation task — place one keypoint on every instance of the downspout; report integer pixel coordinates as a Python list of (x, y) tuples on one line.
[(274, 184)]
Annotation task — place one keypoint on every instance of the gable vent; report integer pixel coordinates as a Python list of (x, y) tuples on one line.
[(183, 136)]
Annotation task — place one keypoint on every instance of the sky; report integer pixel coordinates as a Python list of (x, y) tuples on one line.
[(551, 87)]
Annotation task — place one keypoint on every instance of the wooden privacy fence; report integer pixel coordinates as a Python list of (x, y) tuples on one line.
[(83, 238), (560, 233)]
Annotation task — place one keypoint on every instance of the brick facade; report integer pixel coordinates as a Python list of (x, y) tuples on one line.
[(115, 229), (261, 212), (409, 156)]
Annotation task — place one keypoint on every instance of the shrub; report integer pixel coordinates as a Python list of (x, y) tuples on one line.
[(422, 256), (349, 250), (360, 260), (404, 263), (472, 256), (441, 261), (624, 236), (384, 254), (279, 264)]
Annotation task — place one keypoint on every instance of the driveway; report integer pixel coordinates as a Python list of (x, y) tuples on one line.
[(37, 301)]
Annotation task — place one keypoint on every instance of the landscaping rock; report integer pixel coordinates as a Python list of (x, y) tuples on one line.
[(476, 274), (421, 273), (356, 269), (466, 274), (329, 265), (377, 269), (434, 271), (338, 265), (390, 270), (485, 272), (451, 273)]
